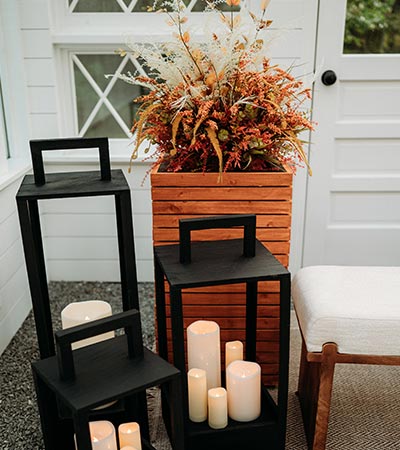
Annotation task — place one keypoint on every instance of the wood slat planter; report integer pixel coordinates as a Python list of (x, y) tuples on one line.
[(268, 195)]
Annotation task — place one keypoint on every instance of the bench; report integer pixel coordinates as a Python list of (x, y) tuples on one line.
[(346, 315)]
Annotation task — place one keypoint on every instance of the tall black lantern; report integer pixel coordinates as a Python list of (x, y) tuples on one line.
[(63, 185), (210, 263), (115, 369), (41, 186)]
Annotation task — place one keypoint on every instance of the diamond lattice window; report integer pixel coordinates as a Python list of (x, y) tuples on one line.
[(104, 106)]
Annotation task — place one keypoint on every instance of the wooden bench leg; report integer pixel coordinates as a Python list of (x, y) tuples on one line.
[(315, 392)]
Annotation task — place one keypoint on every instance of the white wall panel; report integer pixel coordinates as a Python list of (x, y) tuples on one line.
[(369, 100), (15, 300), (369, 246), (365, 207), (37, 43), (9, 232), (33, 14), (365, 157), (80, 233), (7, 201), (14, 289), (40, 72), (42, 100), (10, 262), (76, 224), (44, 126)]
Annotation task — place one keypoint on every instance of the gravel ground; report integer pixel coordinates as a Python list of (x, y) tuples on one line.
[(19, 419)]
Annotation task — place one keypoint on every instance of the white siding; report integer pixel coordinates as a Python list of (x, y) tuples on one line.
[(15, 301), (39, 68), (80, 234)]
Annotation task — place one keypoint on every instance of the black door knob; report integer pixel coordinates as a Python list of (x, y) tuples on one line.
[(329, 77)]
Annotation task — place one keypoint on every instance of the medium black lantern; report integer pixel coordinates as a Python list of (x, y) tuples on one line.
[(62, 185), (83, 379), (210, 263)]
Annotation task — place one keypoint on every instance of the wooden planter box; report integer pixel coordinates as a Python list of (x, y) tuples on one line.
[(268, 195)]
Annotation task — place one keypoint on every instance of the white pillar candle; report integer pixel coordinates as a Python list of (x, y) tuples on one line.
[(233, 352), (78, 313), (102, 435), (129, 435), (203, 349), (128, 447), (81, 312), (243, 383), (217, 408), (197, 393)]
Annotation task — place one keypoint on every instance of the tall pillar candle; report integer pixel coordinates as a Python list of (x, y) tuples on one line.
[(78, 313), (197, 393), (129, 435), (243, 383), (102, 435), (217, 408), (203, 349), (233, 352)]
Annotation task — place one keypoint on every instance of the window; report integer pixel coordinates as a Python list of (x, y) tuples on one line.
[(104, 106), (4, 144), (372, 26)]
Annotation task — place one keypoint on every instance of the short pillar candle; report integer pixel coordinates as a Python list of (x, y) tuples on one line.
[(102, 435), (217, 408), (233, 352), (203, 343), (78, 313), (129, 435), (197, 393), (243, 383)]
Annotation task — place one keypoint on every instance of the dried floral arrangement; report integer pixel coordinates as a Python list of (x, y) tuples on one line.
[(215, 102)]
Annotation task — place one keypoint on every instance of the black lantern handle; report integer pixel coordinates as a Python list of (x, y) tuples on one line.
[(64, 338), (229, 221), (38, 146)]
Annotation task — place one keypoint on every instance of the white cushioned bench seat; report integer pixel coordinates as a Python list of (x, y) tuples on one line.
[(358, 308)]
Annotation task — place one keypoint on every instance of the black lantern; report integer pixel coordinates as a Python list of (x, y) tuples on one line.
[(105, 182), (115, 369), (62, 185), (210, 263)]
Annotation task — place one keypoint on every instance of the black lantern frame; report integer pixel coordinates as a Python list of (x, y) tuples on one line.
[(63, 185), (210, 263), (86, 378)]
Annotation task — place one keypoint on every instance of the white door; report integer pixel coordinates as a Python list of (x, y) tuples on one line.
[(353, 197)]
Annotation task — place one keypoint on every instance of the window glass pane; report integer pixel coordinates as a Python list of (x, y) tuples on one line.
[(94, 116), (200, 5), (144, 5), (122, 95), (86, 97), (372, 26), (100, 65), (104, 124), (84, 6)]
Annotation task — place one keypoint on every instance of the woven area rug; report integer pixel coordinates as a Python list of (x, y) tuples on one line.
[(365, 413)]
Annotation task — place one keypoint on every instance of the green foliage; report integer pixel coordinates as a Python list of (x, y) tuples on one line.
[(371, 26)]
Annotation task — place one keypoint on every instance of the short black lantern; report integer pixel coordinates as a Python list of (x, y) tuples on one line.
[(210, 263), (85, 378), (72, 184)]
